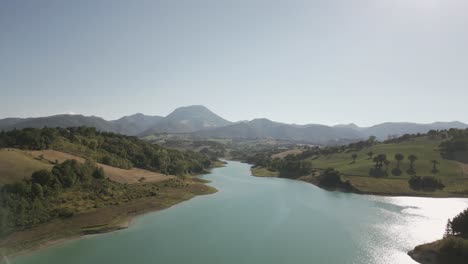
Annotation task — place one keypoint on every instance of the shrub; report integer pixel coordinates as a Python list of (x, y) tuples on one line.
[(396, 172), (42, 177), (454, 250), (65, 212), (426, 183), (330, 178), (37, 190), (99, 173)]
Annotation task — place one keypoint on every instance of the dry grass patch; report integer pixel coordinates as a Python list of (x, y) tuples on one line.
[(283, 154), (133, 175), (16, 165)]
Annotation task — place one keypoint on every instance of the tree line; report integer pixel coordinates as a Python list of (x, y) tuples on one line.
[(108, 148), (31, 201)]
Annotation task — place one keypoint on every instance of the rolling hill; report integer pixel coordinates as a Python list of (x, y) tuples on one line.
[(198, 121), (381, 131), (135, 124), (264, 128), (57, 121), (394, 181)]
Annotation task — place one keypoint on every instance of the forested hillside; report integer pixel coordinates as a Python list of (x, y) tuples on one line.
[(107, 148)]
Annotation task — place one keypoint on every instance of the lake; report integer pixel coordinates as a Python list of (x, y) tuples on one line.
[(267, 220)]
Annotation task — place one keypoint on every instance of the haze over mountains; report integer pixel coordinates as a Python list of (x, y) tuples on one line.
[(199, 121)]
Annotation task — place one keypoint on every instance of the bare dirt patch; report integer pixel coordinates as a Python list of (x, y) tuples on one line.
[(287, 152)]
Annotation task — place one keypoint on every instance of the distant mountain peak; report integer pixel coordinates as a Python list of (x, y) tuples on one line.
[(264, 120), (188, 119), (191, 110), (350, 125)]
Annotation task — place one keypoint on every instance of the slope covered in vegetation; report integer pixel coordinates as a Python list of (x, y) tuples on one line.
[(108, 148), (421, 164), (452, 249), (57, 190)]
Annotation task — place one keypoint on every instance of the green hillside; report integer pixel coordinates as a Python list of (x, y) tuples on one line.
[(424, 148), (111, 149), (357, 164)]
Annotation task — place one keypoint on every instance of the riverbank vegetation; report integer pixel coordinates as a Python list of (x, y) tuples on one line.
[(452, 249), (58, 190), (429, 164), (77, 198)]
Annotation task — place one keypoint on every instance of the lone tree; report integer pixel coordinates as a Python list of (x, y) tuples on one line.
[(370, 154), (434, 166), (354, 156), (399, 157), (412, 158), (372, 139), (379, 160)]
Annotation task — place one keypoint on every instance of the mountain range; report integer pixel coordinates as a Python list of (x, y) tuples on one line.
[(200, 122)]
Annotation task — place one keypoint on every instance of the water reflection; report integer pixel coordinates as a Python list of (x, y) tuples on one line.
[(266, 220)]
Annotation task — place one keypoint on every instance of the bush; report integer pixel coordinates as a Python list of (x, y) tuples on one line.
[(42, 177), (37, 190), (377, 172), (99, 173), (454, 250), (426, 183), (396, 172), (330, 178), (65, 212)]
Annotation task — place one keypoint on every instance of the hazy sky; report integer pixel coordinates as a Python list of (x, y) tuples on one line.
[(312, 61)]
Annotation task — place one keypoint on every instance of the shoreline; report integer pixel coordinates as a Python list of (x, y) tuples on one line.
[(397, 194), (12, 247), (422, 195), (121, 225), (357, 191)]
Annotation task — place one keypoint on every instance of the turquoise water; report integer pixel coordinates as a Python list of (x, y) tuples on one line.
[(267, 220)]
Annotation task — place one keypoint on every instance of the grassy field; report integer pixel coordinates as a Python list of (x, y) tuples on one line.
[(283, 154), (17, 164), (133, 175), (425, 149), (263, 172), (452, 173)]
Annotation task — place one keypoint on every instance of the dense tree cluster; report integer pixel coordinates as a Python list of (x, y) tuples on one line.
[(108, 148), (454, 246), (331, 178), (27, 202), (458, 141), (458, 226), (425, 183)]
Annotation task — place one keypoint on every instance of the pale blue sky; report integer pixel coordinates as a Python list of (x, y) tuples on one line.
[(322, 61)]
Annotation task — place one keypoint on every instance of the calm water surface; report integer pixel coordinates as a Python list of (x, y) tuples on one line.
[(267, 220)]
